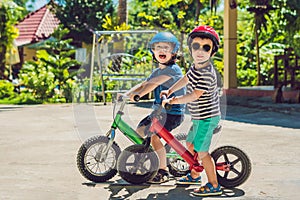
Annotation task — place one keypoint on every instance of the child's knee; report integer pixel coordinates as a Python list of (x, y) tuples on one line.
[(202, 155), (155, 138)]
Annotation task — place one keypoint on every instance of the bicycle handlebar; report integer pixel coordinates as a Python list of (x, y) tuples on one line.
[(164, 97), (136, 98), (167, 106)]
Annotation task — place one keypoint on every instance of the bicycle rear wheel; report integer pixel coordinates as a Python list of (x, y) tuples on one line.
[(137, 164), (240, 166)]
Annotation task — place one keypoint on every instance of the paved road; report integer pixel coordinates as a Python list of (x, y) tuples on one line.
[(39, 143)]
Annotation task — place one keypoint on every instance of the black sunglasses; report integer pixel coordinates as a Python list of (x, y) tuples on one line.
[(197, 46)]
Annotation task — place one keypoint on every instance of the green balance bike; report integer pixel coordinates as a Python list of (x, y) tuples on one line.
[(97, 157)]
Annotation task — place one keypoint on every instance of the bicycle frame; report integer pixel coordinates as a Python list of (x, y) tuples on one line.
[(156, 127), (120, 124)]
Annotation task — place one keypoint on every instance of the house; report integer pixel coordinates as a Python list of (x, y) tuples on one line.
[(35, 27)]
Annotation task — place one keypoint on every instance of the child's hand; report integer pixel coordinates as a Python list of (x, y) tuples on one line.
[(120, 96), (164, 92), (166, 103), (133, 97)]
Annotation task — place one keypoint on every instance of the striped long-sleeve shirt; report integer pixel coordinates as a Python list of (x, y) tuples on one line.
[(207, 105)]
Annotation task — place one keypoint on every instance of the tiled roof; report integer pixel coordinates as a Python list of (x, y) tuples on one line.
[(36, 26)]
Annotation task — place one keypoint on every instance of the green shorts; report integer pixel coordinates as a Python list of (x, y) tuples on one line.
[(201, 132)]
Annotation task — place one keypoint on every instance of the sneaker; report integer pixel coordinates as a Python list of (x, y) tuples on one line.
[(162, 176), (207, 190), (189, 180)]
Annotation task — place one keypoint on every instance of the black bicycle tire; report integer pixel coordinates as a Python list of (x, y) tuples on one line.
[(175, 171), (137, 151), (82, 164), (242, 159)]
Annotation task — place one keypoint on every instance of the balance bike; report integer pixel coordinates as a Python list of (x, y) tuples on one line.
[(97, 156), (139, 163)]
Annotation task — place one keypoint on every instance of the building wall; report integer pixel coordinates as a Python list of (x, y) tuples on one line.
[(28, 54)]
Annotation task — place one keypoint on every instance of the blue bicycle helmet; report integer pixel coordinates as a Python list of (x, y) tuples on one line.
[(165, 37)]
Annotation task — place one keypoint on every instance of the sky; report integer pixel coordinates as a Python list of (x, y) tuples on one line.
[(39, 3)]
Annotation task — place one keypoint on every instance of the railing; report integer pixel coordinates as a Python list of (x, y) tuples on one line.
[(287, 70)]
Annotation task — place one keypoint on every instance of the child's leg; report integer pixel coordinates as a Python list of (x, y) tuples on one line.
[(211, 188), (162, 174), (141, 130), (160, 150), (210, 169), (143, 124), (190, 147)]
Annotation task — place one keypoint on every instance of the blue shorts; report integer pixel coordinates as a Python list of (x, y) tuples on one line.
[(201, 132), (169, 121)]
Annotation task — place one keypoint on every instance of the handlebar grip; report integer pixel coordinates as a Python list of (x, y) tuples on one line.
[(120, 98), (136, 98), (167, 106)]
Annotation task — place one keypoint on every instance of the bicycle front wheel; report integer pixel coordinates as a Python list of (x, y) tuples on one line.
[(93, 164)]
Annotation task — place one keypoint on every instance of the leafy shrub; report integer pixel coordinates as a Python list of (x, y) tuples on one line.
[(6, 89)]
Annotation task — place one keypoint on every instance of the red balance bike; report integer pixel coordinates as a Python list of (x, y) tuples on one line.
[(139, 163)]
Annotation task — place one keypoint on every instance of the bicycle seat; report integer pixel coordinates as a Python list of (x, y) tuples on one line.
[(217, 129)]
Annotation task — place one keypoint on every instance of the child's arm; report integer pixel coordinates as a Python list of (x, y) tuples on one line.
[(151, 84), (134, 89), (178, 85), (186, 98), (147, 86)]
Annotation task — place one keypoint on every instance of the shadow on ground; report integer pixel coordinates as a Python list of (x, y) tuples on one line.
[(122, 190)]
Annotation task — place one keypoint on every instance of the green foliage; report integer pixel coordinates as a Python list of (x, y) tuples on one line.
[(275, 36), (10, 13), (278, 28), (111, 24), (38, 78), (53, 69), (80, 16), (6, 89)]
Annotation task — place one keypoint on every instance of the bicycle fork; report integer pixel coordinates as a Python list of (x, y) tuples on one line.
[(103, 151)]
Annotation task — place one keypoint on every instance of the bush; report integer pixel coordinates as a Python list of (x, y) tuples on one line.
[(6, 90)]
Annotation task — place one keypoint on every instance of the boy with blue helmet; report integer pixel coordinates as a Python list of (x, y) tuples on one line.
[(165, 37), (164, 47)]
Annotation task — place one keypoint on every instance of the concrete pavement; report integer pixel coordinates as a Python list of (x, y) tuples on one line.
[(39, 143)]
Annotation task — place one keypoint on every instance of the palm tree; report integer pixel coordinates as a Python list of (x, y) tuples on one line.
[(261, 13)]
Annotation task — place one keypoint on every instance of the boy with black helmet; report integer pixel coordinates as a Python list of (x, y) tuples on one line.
[(203, 103), (164, 47)]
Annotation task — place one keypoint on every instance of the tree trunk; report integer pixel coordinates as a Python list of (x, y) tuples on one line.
[(257, 57), (122, 11), (3, 37), (198, 8)]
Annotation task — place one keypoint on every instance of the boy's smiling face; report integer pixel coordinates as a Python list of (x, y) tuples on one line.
[(162, 51), (201, 49)]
